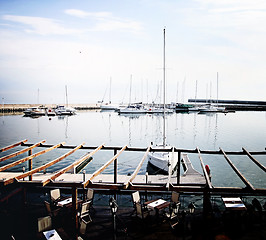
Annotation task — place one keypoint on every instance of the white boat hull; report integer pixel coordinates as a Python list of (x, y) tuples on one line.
[(165, 161)]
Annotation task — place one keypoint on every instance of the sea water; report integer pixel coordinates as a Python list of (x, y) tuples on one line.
[(230, 131)]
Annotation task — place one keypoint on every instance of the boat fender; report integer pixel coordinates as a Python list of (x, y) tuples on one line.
[(207, 169)]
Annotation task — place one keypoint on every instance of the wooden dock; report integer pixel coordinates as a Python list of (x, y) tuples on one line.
[(191, 180)]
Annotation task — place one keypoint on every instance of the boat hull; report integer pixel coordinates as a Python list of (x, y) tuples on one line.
[(165, 161)]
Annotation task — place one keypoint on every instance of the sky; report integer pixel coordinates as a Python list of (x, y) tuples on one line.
[(213, 47)]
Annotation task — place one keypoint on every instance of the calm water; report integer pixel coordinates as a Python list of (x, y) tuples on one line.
[(208, 132)]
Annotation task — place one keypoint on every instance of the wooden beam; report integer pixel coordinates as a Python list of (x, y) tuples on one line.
[(13, 145), (97, 172), (254, 160), (29, 157), (29, 173), (170, 169), (247, 183), (21, 151), (75, 211), (204, 170), (60, 172), (137, 169)]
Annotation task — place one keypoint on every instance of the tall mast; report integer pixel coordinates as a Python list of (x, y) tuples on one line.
[(66, 97), (217, 88), (164, 87), (110, 90), (130, 89)]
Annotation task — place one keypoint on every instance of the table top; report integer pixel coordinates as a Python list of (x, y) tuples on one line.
[(234, 203), (64, 202), (158, 204), (52, 235)]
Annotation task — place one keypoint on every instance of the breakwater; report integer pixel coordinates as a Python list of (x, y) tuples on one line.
[(236, 105), (13, 108)]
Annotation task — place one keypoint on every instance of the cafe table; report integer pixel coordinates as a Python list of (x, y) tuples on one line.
[(157, 205), (234, 203), (52, 235), (66, 202)]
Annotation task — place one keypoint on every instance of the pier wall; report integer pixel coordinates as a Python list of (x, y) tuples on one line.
[(13, 108), (236, 105)]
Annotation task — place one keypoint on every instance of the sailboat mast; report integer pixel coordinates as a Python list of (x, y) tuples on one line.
[(110, 90), (217, 88), (130, 89), (66, 97), (164, 87)]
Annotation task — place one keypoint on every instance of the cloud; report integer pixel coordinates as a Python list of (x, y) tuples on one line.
[(105, 21), (83, 14), (42, 26)]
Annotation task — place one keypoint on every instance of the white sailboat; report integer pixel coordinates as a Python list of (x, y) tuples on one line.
[(132, 108), (211, 107), (65, 110), (165, 161), (109, 105)]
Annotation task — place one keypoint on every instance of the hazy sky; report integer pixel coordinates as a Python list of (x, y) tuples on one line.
[(82, 44)]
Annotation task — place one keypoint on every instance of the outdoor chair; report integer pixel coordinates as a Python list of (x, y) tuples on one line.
[(51, 212), (55, 195), (175, 197), (142, 212), (84, 216), (135, 200), (172, 215), (90, 195), (44, 224)]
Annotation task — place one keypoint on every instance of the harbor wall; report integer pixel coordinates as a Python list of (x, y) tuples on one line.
[(7, 108)]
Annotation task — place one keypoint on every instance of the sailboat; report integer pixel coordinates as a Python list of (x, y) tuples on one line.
[(211, 107), (164, 161), (109, 105), (132, 108), (62, 110)]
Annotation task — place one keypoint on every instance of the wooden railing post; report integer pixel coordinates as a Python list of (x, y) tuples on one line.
[(178, 169), (74, 211), (115, 167), (30, 164)]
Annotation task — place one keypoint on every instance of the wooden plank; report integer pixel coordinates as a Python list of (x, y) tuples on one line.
[(13, 145), (60, 172), (204, 171), (29, 157), (29, 173), (254, 160), (247, 183), (21, 151), (97, 172), (138, 168)]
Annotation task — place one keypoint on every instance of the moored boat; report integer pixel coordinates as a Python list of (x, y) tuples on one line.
[(34, 111), (62, 110), (165, 161)]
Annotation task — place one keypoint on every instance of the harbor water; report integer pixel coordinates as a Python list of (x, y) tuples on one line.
[(230, 131)]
